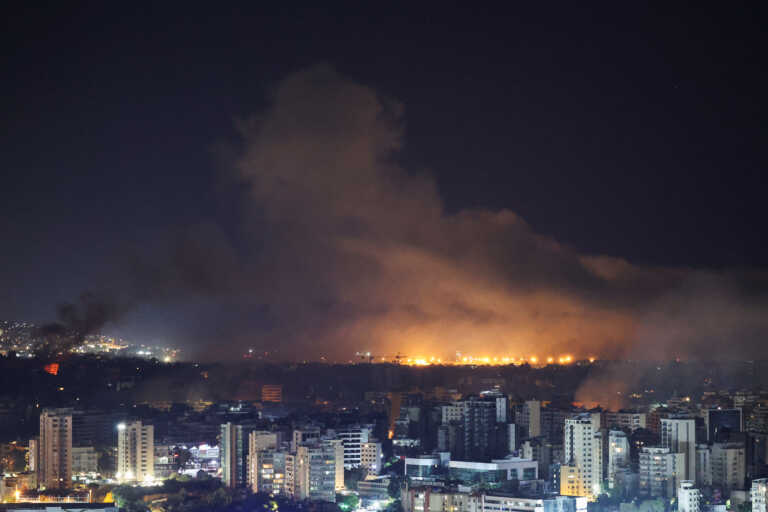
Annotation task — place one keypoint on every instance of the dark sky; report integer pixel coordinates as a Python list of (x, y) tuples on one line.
[(622, 131)]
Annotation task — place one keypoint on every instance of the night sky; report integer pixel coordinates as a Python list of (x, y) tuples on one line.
[(319, 181)]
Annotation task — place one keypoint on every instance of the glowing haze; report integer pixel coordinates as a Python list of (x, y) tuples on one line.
[(340, 249), (345, 250)]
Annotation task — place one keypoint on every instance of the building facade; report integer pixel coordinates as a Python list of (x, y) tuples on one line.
[(232, 454), (135, 452), (54, 464)]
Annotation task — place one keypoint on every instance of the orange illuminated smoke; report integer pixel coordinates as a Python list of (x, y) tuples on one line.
[(52, 368)]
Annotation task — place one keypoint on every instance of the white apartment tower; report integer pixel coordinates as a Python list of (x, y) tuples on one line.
[(135, 452), (688, 497), (54, 467), (618, 454), (679, 435), (582, 470), (353, 439)]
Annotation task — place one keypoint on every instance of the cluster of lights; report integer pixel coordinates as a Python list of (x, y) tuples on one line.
[(489, 361)]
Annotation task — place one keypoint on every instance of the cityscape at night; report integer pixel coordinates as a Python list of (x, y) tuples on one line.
[(382, 258)]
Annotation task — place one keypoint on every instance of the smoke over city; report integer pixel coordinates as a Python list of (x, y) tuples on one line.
[(339, 249)]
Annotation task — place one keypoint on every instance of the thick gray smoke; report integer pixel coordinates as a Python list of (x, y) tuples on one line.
[(341, 249)]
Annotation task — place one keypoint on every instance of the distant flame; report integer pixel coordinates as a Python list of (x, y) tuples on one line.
[(52, 368)]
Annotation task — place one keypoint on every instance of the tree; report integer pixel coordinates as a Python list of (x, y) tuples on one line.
[(352, 477), (347, 502), (395, 487), (180, 457)]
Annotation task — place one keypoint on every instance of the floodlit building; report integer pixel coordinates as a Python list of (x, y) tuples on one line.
[(618, 454), (135, 452), (688, 497), (232, 455), (54, 468), (582, 471)]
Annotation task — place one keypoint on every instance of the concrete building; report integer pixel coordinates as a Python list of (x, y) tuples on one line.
[(629, 420), (259, 440), (728, 466), (33, 454), (479, 429), (353, 438), (232, 454), (618, 455), (135, 452), (530, 418), (583, 457), (55, 449), (267, 472), (370, 457), (759, 495), (452, 412), (721, 423), (85, 460), (688, 497), (679, 435), (501, 503), (660, 472), (311, 471), (493, 473), (303, 436), (500, 401)]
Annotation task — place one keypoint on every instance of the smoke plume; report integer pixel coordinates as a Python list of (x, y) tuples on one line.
[(340, 249)]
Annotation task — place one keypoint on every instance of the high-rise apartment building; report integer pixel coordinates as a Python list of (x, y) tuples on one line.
[(232, 451), (353, 438), (480, 427), (618, 455), (679, 435), (728, 463), (267, 471), (311, 472), (135, 452), (370, 457), (583, 457), (54, 468), (660, 472)]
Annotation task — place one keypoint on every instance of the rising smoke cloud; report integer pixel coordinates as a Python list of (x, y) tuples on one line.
[(339, 249), (346, 250)]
